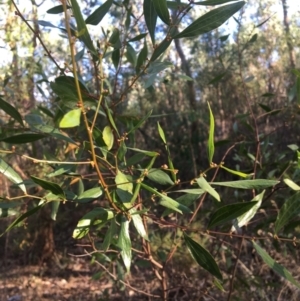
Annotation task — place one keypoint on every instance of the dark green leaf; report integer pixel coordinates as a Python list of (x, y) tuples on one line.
[(248, 184), (203, 257), (162, 11), (142, 57), (131, 55), (138, 37), (210, 21), (57, 9), (213, 2), (22, 217), (176, 4), (160, 49), (11, 111), (289, 210), (23, 138), (115, 56), (276, 267), (81, 27), (114, 39), (95, 17), (110, 233), (228, 213), (11, 175), (47, 185), (217, 78), (140, 122), (150, 18), (124, 243)]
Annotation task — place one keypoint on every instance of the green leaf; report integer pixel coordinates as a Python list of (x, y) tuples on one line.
[(23, 138), (89, 195), (81, 27), (150, 18), (206, 187), (191, 191), (276, 267), (123, 183), (142, 57), (47, 185), (11, 111), (211, 145), (167, 201), (131, 55), (110, 233), (289, 210), (235, 172), (71, 119), (246, 217), (162, 11), (202, 257), (146, 153), (22, 217), (115, 56), (95, 17), (292, 184), (160, 49), (54, 209), (108, 137), (96, 216), (138, 224), (161, 133), (210, 20), (124, 243), (114, 39), (217, 78), (11, 175), (212, 2), (140, 122), (159, 176), (248, 184), (228, 213), (138, 37), (57, 9)]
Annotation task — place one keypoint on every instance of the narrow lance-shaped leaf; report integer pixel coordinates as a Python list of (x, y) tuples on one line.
[(236, 172), (10, 174), (292, 184), (124, 243), (150, 18), (276, 267), (47, 185), (246, 217), (229, 212), (95, 17), (206, 187), (22, 217), (141, 59), (159, 176), (161, 133), (203, 257), (23, 138), (210, 20), (162, 11), (211, 145), (212, 2), (138, 224), (81, 28), (248, 184), (11, 111), (289, 210)]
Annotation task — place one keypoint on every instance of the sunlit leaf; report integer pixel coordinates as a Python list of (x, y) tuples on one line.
[(202, 257), (276, 267), (206, 187), (108, 137), (89, 195), (235, 172), (71, 119), (229, 212), (11, 175), (138, 224), (248, 184), (124, 243), (123, 183), (292, 184), (161, 133)]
